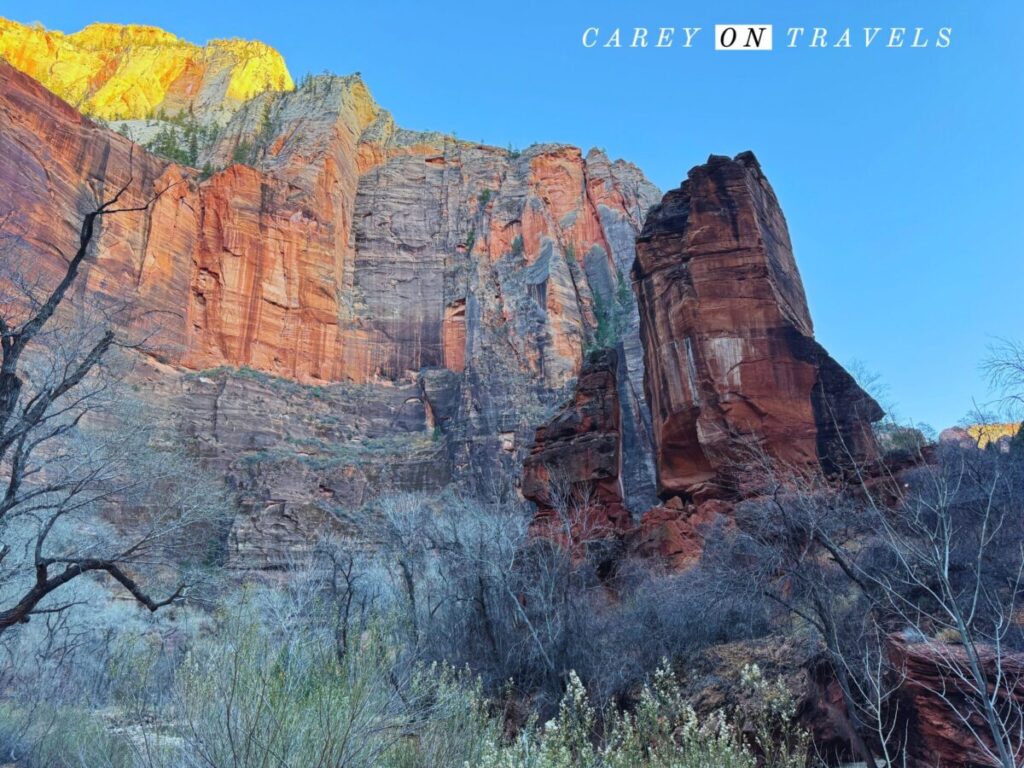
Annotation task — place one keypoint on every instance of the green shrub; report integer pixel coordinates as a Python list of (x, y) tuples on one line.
[(768, 716), (246, 699), (41, 735), (273, 678), (243, 152), (611, 317), (167, 144), (180, 138), (605, 331), (663, 732)]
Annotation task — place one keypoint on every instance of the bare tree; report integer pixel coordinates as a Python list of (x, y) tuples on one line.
[(1004, 368), (476, 589), (73, 456), (935, 554), (792, 545), (952, 570), (576, 510)]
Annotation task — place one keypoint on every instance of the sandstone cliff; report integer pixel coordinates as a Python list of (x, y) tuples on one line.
[(732, 364), (327, 246), (345, 252), (117, 72)]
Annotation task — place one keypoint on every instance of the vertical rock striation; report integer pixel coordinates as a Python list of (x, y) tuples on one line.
[(731, 360), (326, 246)]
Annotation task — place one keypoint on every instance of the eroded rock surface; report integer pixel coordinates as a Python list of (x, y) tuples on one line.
[(573, 472), (932, 675), (326, 246), (674, 533), (732, 364)]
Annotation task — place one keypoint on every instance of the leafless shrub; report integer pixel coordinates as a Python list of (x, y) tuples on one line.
[(1004, 368)]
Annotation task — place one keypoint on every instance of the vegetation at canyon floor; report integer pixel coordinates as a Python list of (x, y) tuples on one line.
[(258, 682)]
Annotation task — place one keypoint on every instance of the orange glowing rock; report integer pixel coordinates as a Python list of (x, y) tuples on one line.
[(116, 72)]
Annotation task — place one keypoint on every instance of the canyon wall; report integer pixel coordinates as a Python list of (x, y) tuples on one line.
[(451, 288)]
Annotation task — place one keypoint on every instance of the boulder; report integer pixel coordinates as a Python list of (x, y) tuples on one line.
[(944, 726)]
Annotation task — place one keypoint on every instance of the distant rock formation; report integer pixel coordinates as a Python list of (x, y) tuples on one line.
[(731, 360), (122, 72), (982, 436)]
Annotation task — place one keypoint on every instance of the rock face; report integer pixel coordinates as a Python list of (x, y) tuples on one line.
[(939, 736), (304, 462), (117, 72), (352, 251), (573, 472), (674, 533), (731, 358), (328, 247)]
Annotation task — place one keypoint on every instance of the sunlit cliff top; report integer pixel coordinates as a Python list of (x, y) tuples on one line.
[(986, 433), (92, 70)]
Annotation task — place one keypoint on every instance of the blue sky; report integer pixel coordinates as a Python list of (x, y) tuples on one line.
[(900, 171)]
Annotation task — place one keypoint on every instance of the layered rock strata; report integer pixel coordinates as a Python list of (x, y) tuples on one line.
[(118, 72), (326, 246), (945, 722)]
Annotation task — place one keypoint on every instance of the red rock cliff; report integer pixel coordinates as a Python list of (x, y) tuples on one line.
[(343, 249), (573, 472), (730, 354), (328, 246)]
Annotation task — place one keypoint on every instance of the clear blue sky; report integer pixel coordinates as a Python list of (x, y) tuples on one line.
[(900, 171)]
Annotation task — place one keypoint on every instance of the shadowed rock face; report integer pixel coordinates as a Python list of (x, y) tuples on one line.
[(731, 360), (573, 472)]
